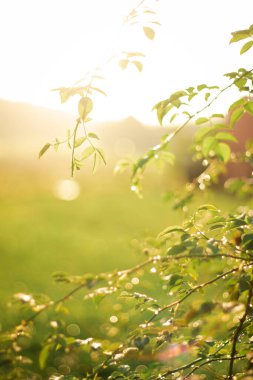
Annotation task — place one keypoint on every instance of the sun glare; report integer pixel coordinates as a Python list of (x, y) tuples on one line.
[(50, 44), (67, 190)]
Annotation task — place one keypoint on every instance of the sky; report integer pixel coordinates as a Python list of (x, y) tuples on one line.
[(47, 44)]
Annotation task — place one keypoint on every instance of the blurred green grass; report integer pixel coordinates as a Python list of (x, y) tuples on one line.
[(40, 234)]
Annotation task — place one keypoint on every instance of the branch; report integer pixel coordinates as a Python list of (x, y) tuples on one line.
[(119, 274), (236, 336), (208, 361), (193, 290)]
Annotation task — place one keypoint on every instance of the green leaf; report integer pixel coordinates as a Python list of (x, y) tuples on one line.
[(85, 106), (207, 95), (202, 132), (201, 120), (247, 241), (123, 63), (236, 104), (168, 157), (171, 229), (93, 135), (149, 32), (239, 35), (223, 151), (201, 87), (44, 149), (218, 115), (235, 116), (246, 47), (79, 141), (225, 136), (249, 107), (177, 249), (240, 83), (208, 207), (44, 353), (87, 152), (173, 117), (208, 144), (138, 65)]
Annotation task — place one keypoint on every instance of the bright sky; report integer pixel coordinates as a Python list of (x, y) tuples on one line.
[(51, 43)]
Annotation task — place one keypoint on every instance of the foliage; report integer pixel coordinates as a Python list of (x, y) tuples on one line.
[(199, 326)]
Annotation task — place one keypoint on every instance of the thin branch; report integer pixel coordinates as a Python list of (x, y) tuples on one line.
[(208, 361), (119, 274), (209, 257), (236, 335), (193, 290)]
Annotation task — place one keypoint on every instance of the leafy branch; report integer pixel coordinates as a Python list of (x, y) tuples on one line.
[(237, 334), (190, 292)]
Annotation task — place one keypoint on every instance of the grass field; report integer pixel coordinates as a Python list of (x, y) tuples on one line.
[(40, 234)]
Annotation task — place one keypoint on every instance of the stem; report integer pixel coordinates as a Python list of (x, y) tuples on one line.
[(236, 335), (73, 148)]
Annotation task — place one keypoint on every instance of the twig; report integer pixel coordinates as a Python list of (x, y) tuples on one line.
[(193, 290), (208, 361), (236, 335), (118, 274)]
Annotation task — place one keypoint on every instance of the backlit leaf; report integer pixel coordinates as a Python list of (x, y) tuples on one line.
[(235, 116), (246, 47), (225, 136), (249, 107), (149, 32), (44, 149), (85, 106)]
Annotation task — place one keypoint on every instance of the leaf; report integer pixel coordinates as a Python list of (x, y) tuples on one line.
[(93, 135), (247, 241), (87, 152), (208, 207), (149, 32), (235, 116), (44, 149), (249, 107), (239, 35), (201, 120), (123, 63), (225, 136), (171, 229), (218, 115), (101, 155), (138, 65), (240, 83), (44, 353), (177, 249), (236, 104), (168, 157), (173, 117), (202, 132), (207, 95), (208, 144), (79, 141), (98, 90), (201, 87), (246, 47), (85, 106), (223, 151)]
